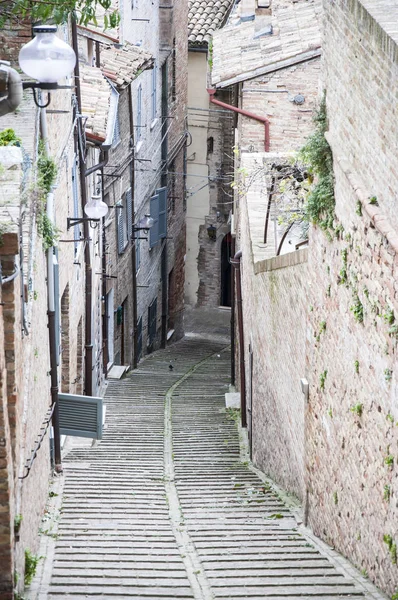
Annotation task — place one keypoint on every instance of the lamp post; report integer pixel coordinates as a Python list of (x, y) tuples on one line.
[(46, 59)]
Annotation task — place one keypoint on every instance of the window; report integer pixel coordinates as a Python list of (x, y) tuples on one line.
[(124, 221), (139, 114), (153, 93), (158, 211)]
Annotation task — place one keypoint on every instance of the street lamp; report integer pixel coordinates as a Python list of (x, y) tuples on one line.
[(46, 59), (95, 210), (144, 224)]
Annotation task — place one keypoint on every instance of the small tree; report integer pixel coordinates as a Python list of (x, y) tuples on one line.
[(57, 11)]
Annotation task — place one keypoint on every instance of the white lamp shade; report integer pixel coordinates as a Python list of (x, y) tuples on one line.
[(96, 208), (46, 58), (146, 222)]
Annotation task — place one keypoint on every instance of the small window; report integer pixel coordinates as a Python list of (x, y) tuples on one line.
[(124, 221), (153, 93)]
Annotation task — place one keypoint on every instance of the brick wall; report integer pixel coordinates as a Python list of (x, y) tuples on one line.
[(272, 96), (352, 433)]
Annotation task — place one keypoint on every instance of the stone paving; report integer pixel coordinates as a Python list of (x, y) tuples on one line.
[(164, 507)]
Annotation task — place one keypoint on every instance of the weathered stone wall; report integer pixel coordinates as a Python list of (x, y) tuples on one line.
[(274, 291), (351, 429)]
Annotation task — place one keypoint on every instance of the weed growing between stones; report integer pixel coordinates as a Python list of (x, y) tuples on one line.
[(392, 547), (335, 498), (322, 379), (373, 200), (357, 309), (387, 375), (356, 366), (387, 493), (358, 209), (31, 562), (357, 409), (343, 276)]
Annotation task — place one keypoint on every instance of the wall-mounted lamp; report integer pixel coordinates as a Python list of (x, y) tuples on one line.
[(144, 224), (212, 232), (46, 59), (95, 210)]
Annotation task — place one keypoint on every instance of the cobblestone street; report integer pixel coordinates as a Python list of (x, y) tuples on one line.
[(165, 506)]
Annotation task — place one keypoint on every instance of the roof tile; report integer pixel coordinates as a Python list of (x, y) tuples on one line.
[(204, 17)]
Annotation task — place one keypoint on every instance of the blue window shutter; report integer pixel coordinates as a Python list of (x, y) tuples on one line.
[(80, 416), (120, 229), (129, 213), (162, 193), (154, 230)]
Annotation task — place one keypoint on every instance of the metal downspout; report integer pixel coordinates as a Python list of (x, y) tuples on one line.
[(245, 113), (236, 263), (51, 313), (88, 364), (134, 247)]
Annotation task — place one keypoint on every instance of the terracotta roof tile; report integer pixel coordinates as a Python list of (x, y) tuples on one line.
[(204, 17), (122, 65)]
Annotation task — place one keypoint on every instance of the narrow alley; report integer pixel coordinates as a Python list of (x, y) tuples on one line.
[(166, 506)]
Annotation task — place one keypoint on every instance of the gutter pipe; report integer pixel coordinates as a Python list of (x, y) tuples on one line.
[(88, 342), (51, 313), (236, 263), (245, 113)]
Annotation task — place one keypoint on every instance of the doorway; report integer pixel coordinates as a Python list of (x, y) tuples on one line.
[(225, 299)]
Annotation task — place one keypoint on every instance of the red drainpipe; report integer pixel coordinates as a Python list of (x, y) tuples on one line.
[(246, 113)]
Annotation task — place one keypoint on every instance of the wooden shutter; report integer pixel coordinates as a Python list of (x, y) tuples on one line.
[(120, 228), (154, 230), (162, 227), (80, 416), (129, 213)]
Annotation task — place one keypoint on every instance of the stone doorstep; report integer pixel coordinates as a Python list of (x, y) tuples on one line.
[(232, 400), (117, 371)]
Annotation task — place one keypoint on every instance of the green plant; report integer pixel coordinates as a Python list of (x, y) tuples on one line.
[(390, 418), (328, 291), (357, 409), (335, 498), (316, 154), (389, 317), (330, 413), (322, 379), (356, 366), (8, 137), (395, 596), (85, 11), (46, 230), (373, 200), (393, 330), (322, 327), (275, 516), (210, 54), (392, 547), (387, 493), (389, 460), (357, 309), (387, 375), (46, 170), (358, 209), (17, 522), (31, 562), (343, 277)]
